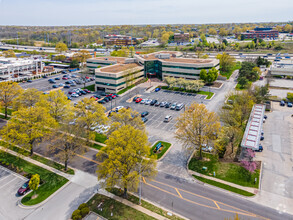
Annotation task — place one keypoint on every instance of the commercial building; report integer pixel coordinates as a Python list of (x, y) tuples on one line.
[(181, 37), (171, 63), (281, 69), (260, 33), (115, 73), (120, 40), (14, 67)]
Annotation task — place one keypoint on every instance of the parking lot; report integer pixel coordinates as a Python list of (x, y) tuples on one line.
[(9, 184)]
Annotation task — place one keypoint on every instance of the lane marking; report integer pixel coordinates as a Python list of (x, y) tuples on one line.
[(8, 182), (178, 193), (217, 204), (4, 177), (94, 161)]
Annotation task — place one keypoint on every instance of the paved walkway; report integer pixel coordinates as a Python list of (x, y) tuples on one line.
[(132, 205), (248, 189)]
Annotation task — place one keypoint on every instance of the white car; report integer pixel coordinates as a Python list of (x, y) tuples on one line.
[(168, 118), (119, 108), (147, 102), (74, 95), (143, 101)]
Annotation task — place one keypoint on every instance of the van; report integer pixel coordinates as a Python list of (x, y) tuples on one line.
[(179, 107)]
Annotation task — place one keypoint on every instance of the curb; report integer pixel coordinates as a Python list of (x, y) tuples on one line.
[(43, 202), (165, 152)]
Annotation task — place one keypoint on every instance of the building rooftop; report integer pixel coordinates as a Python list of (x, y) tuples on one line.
[(118, 67), (114, 59)]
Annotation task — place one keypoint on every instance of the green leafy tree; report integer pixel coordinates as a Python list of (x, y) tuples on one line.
[(125, 158), (8, 92), (196, 127), (242, 81), (203, 74), (290, 96), (9, 53), (226, 62), (61, 47), (34, 182), (74, 64), (28, 98)]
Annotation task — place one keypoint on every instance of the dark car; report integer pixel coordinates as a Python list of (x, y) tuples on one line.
[(102, 101), (106, 99), (168, 105), (45, 77), (265, 116), (67, 82), (260, 149), (134, 99), (55, 86), (23, 189), (97, 96), (282, 103), (262, 137), (144, 114), (57, 78), (158, 104), (153, 102), (144, 119), (66, 87), (87, 91), (103, 94), (29, 81), (289, 104), (83, 92), (53, 81), (157, 89)]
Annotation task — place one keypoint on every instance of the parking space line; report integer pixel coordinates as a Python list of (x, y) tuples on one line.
[(8, 182), (4, 178), (14, 174)]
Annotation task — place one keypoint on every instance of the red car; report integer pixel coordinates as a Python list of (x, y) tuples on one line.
[(23, 189), (65, 78), (87, 77), (93, 97), (109, 95), (87, 91), (138, 100)]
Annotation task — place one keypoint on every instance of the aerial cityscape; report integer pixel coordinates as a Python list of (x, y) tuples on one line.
[(146, 110)]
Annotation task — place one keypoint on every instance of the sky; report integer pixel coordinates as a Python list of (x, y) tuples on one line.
[(116, 12)]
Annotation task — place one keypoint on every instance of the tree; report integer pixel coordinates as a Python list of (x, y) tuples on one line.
[(226, 62), (81, 56), (28, 98), (212, 31), (165, 38), (60, 57), (248, 162), (248, 71), (203, 74), (132, 51), (196, 127), (209, 77), (74, 64), (89, 114), (9, 53), (242, 81), (61, 47), (65, 142), (28, 126), (8, 92), (288, 28), (125, 157), (223, 32), (126, 117), (34, 182)]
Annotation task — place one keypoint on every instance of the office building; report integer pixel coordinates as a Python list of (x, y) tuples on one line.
[(260, 33), (181, 37)]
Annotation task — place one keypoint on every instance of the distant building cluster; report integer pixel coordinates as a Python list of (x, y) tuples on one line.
[(116, 73), (16, 67), (260, 33), (181, 37), (120, 40)]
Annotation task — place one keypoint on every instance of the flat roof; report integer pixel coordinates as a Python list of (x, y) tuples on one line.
[(252, 132), (115, 59), (118, 67)]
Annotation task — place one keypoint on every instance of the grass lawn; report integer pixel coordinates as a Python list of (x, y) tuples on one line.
[(91, 87), (126, 89), (134, 199), (208, 94), (9, 111), (166, 147), (230, 172), (238, 87), (96, 146), (3, 117), (100, 138), (237, 66), (224, 186), (51, 181), (119, 210), (36, 157)]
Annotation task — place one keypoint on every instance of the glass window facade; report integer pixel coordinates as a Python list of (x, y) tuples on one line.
[(154, 68)]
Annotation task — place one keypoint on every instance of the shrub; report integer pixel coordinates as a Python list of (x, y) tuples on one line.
[(81, 206), (76, 215), (84, 211)]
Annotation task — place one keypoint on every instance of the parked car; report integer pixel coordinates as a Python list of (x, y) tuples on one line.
[(144, 114), (168, 104), (262, 137), (66, 87), (265, 116), (83, 92), (144, 119), (74, 95), (135, 98), (88, 91), (61, 84), (153, 102), (138, 100), (143, 101), (148, 102), (173, 106), (119, 108), (179, 107), (158, 104), (103, 94), (57, 78), (52, 81), (55, 86), (168, 118), (157, 89), (101, 102), (65, 78), (106, 99), (23, 189), (260, 148), (282, 103), (97, 96), (69, 98), (289, 104), (44, 76)]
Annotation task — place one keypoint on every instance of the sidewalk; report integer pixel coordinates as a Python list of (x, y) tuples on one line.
[(132, 205), (248, 189), (60, 173)]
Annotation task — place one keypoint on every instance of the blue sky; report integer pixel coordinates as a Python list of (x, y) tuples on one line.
[(99, 12)]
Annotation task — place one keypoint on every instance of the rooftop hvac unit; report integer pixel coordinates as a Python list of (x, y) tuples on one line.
[(130, 60), (163, 56)]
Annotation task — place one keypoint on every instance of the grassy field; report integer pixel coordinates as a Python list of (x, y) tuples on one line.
[(36, 157), (224, 186), (100, 137), (134, 199), (166, 147), (230, 172), (208, 94), (119, 210), (237, 66), (51, 181), (96, 146), (126, 89)]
